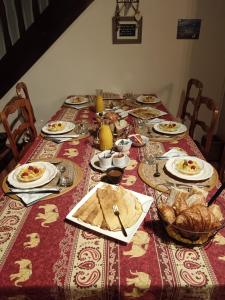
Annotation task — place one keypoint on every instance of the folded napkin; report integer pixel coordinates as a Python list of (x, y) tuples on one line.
[(29, 199), (80, 106), (175, 152), (155, 121), (122, 113)]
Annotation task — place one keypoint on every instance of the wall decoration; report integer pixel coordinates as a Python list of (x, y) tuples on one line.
[(127, 23), (188, 28)]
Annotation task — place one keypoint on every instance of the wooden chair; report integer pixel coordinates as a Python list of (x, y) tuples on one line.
[(222, 165), (195, 87), (22, 92), (18, 123), (211, 113)]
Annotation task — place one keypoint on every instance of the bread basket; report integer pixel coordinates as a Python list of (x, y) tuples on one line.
[(187, 237)]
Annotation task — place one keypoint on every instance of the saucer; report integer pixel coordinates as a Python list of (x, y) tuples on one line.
[(95, 163)]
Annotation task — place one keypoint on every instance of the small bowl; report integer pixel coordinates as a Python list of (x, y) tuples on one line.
[(123, 144), (114, 175), (119, 159)]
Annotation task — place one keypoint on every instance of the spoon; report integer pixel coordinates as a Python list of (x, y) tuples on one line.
[(156, 174)]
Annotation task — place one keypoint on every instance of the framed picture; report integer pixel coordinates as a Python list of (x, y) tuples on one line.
[(126, 30), (188, 28)]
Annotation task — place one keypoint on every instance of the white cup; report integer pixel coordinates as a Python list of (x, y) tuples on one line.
[(119, 160), (105, 159)]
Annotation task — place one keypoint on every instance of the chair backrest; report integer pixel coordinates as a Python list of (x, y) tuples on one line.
[(192, 96), (18, 123), (212, 115), (22, 92), (222, 165)]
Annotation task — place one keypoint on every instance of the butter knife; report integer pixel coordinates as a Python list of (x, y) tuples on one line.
[(168, 157), (53, 190)]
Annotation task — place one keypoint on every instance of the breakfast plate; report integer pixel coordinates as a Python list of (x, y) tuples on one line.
[(76, 100), (203, 169), (58, 127), (95, 163), (146, 113), (148, 99), (49, 173), (144, 200), (170, 127)]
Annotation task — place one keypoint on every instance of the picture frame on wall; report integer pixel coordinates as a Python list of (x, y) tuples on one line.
[(188, 28), (126, 30)]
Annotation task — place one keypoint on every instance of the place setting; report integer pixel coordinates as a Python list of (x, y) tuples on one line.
[(77, 102), (148, 99), (176, 168), (60, 131), (163, 130), (36, 180)]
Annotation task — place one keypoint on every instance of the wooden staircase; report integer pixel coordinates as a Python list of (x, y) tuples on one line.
[(47, 26)]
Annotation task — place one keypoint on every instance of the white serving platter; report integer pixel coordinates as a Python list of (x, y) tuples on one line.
[(146, 202)]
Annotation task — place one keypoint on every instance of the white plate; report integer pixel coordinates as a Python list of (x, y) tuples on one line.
[(205, 173), (146, 202), (146, 112), (68, 127), (144, 138), (71, 99), (95, 163), (181, 128), (49, 173), (148, 99)]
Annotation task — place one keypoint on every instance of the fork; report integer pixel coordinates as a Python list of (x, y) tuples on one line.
[(187, 185), (117, 213)]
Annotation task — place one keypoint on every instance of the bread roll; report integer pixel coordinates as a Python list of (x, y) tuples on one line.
[(176, 193)]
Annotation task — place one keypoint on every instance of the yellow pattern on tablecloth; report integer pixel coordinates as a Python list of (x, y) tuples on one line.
[(13, 215)]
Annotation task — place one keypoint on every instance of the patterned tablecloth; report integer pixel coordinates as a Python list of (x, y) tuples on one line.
[(44, 257)]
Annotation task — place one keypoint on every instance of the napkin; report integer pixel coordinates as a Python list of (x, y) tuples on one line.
[(29, 199), (155, 121), (80, 106), (175, 152)]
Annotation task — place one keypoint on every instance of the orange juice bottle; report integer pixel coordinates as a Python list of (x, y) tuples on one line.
[(99, 104), (105, 137)]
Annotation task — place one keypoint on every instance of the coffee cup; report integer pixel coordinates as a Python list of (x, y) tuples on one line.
[(105, 159), (119, 160)]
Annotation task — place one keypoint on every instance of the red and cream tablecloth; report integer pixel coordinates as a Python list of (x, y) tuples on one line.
[(44, 257)]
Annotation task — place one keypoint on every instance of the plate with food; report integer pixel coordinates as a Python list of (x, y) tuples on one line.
[(170, 127), (138, 140), (148, 99), (189, 168), (146, 113), (95, 211), (76, 100), (58, 127), (32, 175)]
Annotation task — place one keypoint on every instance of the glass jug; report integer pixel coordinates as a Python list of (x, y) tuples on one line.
[(105, 137), (99, 104)]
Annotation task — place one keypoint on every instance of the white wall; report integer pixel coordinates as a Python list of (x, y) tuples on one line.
[(84, 58)]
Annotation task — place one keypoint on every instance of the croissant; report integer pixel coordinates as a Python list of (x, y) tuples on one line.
[(167, 213), (197, 218)]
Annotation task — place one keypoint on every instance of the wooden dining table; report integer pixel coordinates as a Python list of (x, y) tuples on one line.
[(43, 256)]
